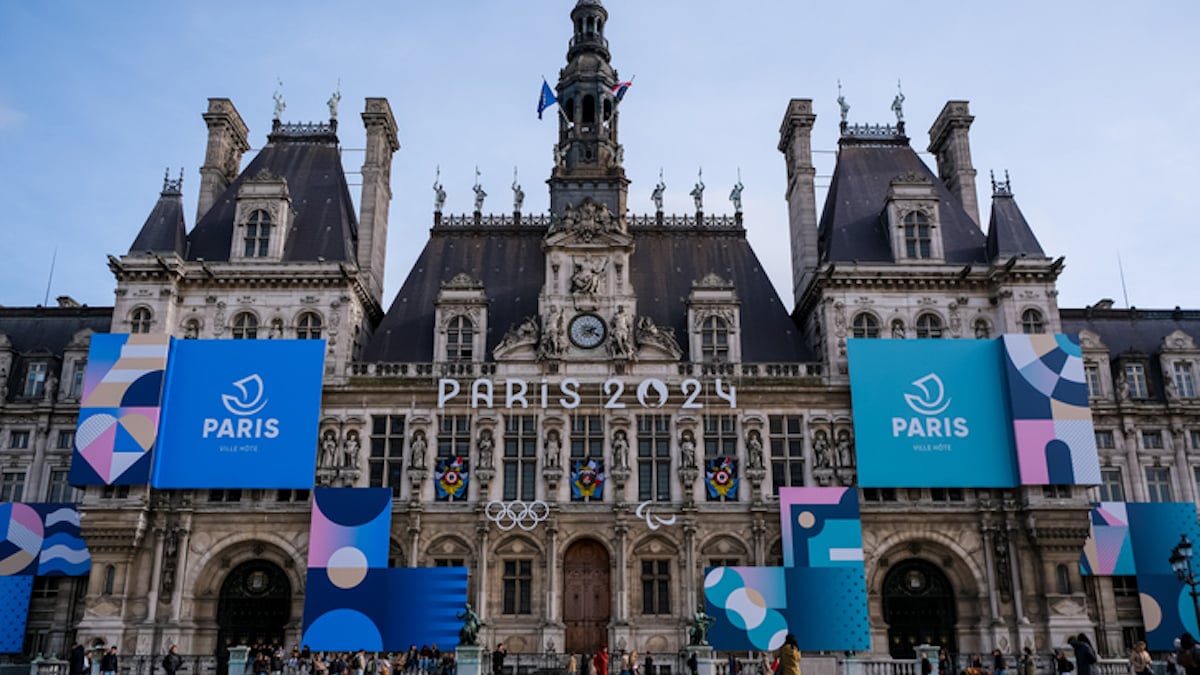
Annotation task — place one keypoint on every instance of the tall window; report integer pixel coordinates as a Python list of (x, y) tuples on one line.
[(77, 373), (1152, 440), (714, 340), (1125, 586), (1111, 487), (656, 587), (245, 326), (35, 379), (18, 439), (720, 436), (12, 486), (460, 337), (1091, 371), (1062, 579), (258, 234), (454, 436), (587, 436), (139, 321), (1158, 483), (518, 586), (387, 452), (110, 580), (865, 326), (929, 326), (1032, 322), (66, 439), (308, 326), (787, 451), (1104, 439), (59, 489), (1185, 386), (1195, 434), (917, 242), (654, 458), (520, 457), (1135, 376)]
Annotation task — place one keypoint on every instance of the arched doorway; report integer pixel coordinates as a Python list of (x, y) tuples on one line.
[(918, 608), (586, 594), (254, 607)]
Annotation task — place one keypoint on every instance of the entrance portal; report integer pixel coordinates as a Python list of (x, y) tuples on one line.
[(254, 608), (586, 596), (918, 607)]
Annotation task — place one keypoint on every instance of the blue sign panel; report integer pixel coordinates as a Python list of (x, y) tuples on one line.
[(931, 413), (240, 414)]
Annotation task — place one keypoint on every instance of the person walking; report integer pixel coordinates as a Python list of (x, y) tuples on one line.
[(172, 661), (1085, 654), (498, 659), (1139, 659), (789, 656), (78, 660), (1029, 662), (602, 661), (108, 662), (999, 663), (1061, 663), (572, 665)]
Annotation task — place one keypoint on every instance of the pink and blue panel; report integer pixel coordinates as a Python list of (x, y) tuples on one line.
[(1109, 549), (22, 534), (439, 592), (15, 593), (748, 606)]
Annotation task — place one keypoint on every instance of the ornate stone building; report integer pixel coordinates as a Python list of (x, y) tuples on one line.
[(593, 347)]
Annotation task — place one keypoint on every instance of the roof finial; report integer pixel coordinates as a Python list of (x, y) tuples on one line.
[(657, 195), (280, 104), (736, 195), (479, 193), (439, 192), (1001, 188), (841, 100), (334, 100), (518, 193), (172, 187), (898, 103), (697, 192)]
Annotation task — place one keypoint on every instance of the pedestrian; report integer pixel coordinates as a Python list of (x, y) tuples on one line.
[(633, 662), (498, 659), (1029, 664), (650, 665), (1139, 659), (319, 665), (943, 663), (78, 660), (108, 662), (926, 665), (1085, 655), (1189, 654), (172, 661), (1061, 663), (789, 656), (1172, 667), (602, 660), (692, 664), (572, 665), (999, 663)]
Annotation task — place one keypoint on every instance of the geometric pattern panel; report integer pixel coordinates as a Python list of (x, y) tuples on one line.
[(119, 409), (748, 606), (1109, 549), (1048, 397), (1155, 528), (439, 592), (1166, 609), (21, 537), (15, 593), (42, 540), (721, 478)]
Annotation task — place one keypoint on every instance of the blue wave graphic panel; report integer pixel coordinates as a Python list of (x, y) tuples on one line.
[(439, 592), (64, 552), (14, 610)]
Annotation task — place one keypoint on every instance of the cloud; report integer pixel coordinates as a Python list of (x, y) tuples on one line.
[(10, 117)]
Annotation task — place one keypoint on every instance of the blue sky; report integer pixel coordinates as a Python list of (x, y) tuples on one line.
[(1090, 107)]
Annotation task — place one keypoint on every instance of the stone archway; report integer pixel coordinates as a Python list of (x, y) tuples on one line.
[(918, 608), (586, 594), (254, 607)]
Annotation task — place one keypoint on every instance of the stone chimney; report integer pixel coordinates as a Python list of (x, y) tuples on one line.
[(382, 143), (795, 142), (227, 141), (950, 144)]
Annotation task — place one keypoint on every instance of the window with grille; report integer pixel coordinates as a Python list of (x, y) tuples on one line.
[(714, 340), (308, 326), (879, 494), (35, 379), (587, 436), (1104, 439), (724, 562), (1125, 586), (454, 436), (227, 496), (1185, 386), (865, 326), (245, 326), (1158, 484), (448, 562), (1032, 322), (257, 241), (66, 439), (1112, 488), (18, 439), (787, 451), (654, 458), (45, 587), (946, 494), (720, 436), (139, 320), (1152, 440), (77, 373), (59, 488), (460, 338), (1056, 491), (1092, 372), (1135, 377), (929, 326), (656, 587), (917, 240), (518, 587), (387, 452), (12, 486), (520, 457)]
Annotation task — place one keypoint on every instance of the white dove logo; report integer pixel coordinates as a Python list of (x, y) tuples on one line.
[(251, 400), (930, 401)]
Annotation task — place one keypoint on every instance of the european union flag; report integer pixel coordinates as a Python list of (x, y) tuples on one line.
[(546, 98)]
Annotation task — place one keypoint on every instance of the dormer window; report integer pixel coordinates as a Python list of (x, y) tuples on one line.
[(245, 326), (714, 340), (929, 325), (1185, 384), (35, 379), (1135, 379), (460, 339), (258, 234), (918, 242), (1032, 322), (308, 327), (140, 320), (866, 326)]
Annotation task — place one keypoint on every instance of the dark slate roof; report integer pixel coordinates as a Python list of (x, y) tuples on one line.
[(46, 331), (1134, 333), (511, 265), (165, 230), (854, 221), (324, 224), (1008, 232)]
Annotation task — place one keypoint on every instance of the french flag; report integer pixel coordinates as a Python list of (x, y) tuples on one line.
[(620, 88)]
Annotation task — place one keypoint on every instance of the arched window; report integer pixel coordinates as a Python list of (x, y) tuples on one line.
[(714, 340), (589, 109), (929, 326), (1062, 577), (258, 234), (1032, 323), (139, 321), (110, 579), (982, 330), (460, 336), (245, 326), (865, 326), (917, 241), (308, 327)]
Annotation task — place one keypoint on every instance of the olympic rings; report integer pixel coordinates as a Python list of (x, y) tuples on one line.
[(525, 515)]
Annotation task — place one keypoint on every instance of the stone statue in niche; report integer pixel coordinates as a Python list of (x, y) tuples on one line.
[(845, 449), (754, 450), (687, 450), (553, 449), (620, 449), (350, 450), (621, 345), (585, 279), (328, 457), (416, 450), (822, 455), (554, 333), (485, 446)]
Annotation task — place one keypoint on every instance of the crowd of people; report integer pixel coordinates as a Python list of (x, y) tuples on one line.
[(273, 660)]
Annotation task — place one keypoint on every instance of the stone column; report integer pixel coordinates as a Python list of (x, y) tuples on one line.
[(1137, 485), (1176, 439), (689, 558), (622, 613), (1014, 565), (551, 612), (181, 565), (989, 562), (155, 576), (481, 583)]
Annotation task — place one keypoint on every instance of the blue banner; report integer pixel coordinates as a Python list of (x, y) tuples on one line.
[(240, 414)]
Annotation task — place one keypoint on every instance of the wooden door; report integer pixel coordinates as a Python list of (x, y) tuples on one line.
[(586, 596)]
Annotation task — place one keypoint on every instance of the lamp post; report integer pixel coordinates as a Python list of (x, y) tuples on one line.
[(1181, 563)]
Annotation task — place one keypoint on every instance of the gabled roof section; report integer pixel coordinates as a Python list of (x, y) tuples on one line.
[(511, 265), (1008, 232), (324, 225), (165, 230), (39, 333), (854, 221)]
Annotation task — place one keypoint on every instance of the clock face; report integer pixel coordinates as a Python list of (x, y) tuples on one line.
[(587, 331)]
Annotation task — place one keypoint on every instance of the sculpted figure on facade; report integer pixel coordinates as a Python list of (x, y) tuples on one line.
[(754, 450), (553, 449), (480, 195), (50, 388), (981, 329), (845, 449), (697, 192), (486, 446), (898, 330), (328, 457), (416, 450), (822, 455), (657, 195), (439, 193), (650, 334), (585, 279), (620, 449), (518, 193), (524, 332), (622, 345), (687, 450), (736, 195), (350, 450), (554, 333)]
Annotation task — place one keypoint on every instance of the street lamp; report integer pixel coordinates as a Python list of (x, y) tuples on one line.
[(1181, 564)]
